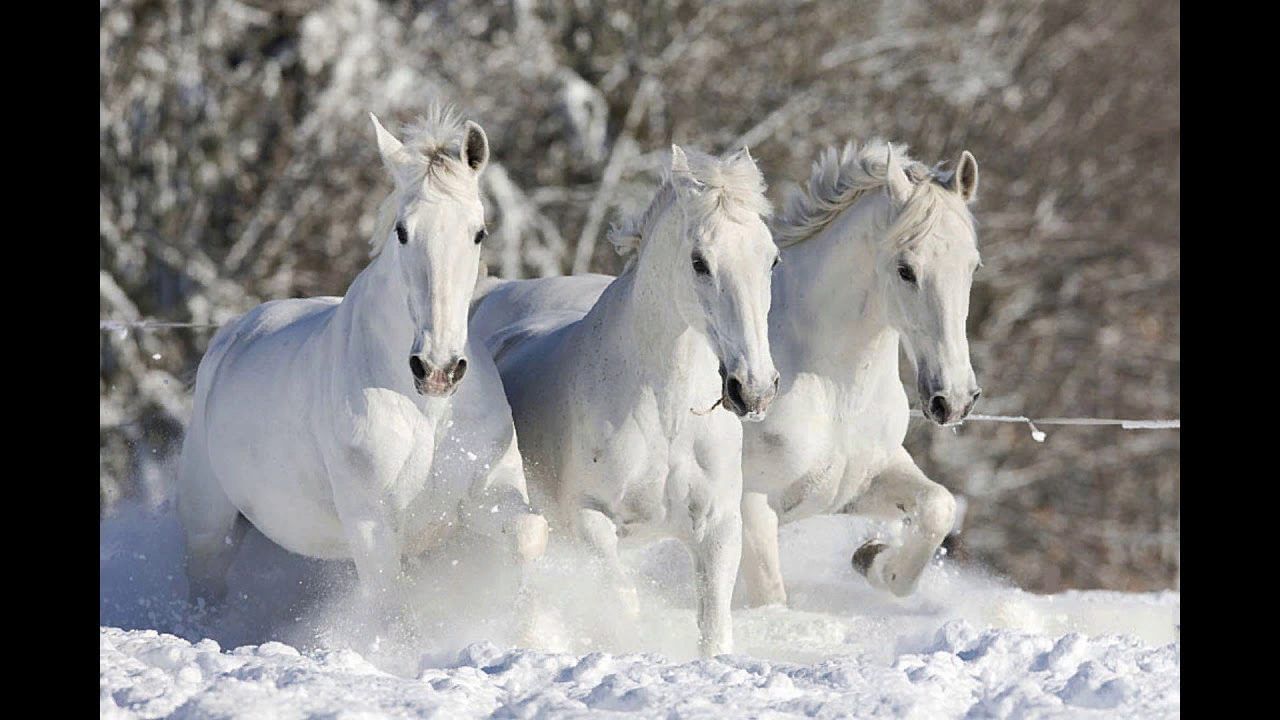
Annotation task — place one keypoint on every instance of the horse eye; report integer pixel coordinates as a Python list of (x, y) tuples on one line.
[(401, 233), (700, 265), (481, 235), (906, 273)]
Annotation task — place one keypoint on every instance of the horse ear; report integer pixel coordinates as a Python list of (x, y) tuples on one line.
[(896, 180), (475, 147), (624, 243), (965, 178), (679, 161), (743, 157), (389, 147), (681, 173)]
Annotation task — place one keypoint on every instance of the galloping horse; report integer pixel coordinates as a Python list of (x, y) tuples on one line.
[(875, 251), (614, 382), (343, 427)]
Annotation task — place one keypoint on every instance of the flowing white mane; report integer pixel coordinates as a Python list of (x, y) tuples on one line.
[(840, 178), (433, 143), (732, 185)]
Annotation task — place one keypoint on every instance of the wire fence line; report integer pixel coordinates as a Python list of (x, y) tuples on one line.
[(126, 325), (1032, 423), (1039, 435)]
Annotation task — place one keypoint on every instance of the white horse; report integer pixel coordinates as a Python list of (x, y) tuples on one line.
[(875, 250), (342, 427), (614, 382)]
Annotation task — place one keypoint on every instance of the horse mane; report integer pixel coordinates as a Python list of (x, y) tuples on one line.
[(433, 144), (732, 185), (840, 178)]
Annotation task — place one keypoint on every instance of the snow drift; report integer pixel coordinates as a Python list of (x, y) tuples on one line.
[(965, 644)]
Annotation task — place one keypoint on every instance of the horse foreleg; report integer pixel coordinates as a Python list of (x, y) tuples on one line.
[(373, 543), (497, 509), (600, 535), (761, 569), (500, 512), (715, 560), (928, 510)]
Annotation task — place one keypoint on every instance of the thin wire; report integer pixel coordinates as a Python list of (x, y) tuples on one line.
[(150, 325), (1038, 435)]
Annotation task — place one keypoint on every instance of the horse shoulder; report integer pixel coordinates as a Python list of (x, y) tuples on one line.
[(717, 452)]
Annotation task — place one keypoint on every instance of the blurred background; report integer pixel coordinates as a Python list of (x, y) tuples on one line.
[(237, 164)]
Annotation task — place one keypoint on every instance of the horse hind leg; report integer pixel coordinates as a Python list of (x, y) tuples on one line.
[(209, 560), (213, 526), (903, 492)]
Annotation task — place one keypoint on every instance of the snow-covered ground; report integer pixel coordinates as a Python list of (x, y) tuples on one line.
[(292, 642)]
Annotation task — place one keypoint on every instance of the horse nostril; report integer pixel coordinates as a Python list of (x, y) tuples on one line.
[(417, 368), (972, 401), (769, 393), (734, 390), (938, 408), (459, 369)]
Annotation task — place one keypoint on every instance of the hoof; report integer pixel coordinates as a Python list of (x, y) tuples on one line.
[(864, 556), (206, 594)]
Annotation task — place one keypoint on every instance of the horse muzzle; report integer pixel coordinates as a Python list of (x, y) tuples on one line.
[(432, 381), (950, 408), (749, 402)]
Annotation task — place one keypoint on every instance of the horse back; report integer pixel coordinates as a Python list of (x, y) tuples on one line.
[(542, 302)]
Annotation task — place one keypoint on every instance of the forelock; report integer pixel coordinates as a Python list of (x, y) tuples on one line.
[(731, 185), (842, 176), (434, 142)]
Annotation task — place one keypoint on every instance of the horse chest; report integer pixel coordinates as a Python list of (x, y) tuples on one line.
[(633, 468), (814, 453), (393, 446), (643, 501)]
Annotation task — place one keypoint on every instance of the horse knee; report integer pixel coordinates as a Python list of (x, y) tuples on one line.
[(529, 537), (597, 530), (937, 511), (757, 516)]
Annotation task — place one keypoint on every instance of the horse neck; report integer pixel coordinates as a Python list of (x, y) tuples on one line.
[(373, 326), (648, 335), (826, 306)]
